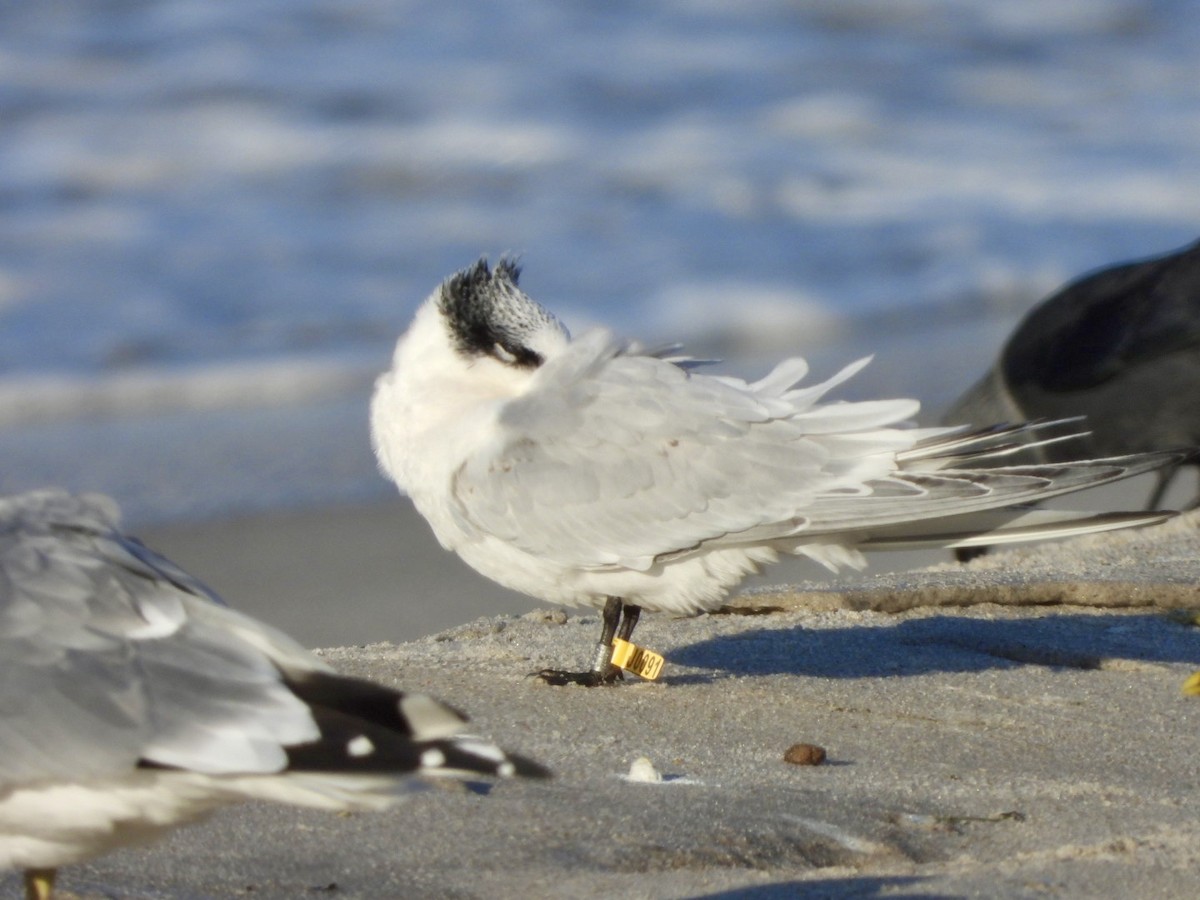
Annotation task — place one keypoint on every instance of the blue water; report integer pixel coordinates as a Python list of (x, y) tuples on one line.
[(216, 217)]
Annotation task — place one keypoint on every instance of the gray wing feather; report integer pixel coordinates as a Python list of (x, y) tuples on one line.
[(611, 459), (109, 657), (617, 460)]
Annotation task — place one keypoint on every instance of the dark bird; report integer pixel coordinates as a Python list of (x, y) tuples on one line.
[(1119, 347)]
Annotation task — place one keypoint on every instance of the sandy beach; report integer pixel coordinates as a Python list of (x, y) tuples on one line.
[(220, 217), (1033, 743)]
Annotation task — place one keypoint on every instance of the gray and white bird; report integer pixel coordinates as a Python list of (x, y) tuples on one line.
[(133, 701), (593, 472)]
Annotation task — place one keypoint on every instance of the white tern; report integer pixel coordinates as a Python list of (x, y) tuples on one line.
[(594, 472)]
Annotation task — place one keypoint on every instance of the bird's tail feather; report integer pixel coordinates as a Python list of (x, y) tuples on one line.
[(899, 502), (1006, 526), (966, 446)]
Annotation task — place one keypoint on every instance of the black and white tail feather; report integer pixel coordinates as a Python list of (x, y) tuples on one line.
[(366, 728)]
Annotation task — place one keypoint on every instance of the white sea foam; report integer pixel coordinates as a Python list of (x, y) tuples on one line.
[(39, 399)]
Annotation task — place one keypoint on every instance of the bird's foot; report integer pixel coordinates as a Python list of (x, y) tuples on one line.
[(561, 677)]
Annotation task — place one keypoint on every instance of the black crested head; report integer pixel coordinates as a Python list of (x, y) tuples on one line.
[(488, 315)]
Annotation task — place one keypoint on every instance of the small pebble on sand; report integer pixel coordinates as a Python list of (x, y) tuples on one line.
[(804, 755)]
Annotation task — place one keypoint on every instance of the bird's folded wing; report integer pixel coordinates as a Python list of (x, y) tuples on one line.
[(103, 664), (617, 459)]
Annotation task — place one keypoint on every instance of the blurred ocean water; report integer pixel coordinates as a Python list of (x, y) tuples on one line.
[(215, 218)]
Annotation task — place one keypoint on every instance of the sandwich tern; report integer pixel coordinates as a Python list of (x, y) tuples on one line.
[(595, 472), (132, 701)]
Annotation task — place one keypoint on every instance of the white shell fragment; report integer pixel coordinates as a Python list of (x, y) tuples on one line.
[(643, 770)]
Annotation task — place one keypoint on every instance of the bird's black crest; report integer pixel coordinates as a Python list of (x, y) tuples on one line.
[(488, 315)]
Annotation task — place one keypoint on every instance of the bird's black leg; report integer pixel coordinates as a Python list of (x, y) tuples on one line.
[(602, 671), (632, 614), (1164, 479)]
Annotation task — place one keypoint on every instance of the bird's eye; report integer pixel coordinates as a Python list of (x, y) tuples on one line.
[(516, 355)]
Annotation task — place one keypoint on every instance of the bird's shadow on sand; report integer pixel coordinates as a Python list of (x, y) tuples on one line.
[(944, 643), (854, 888)]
